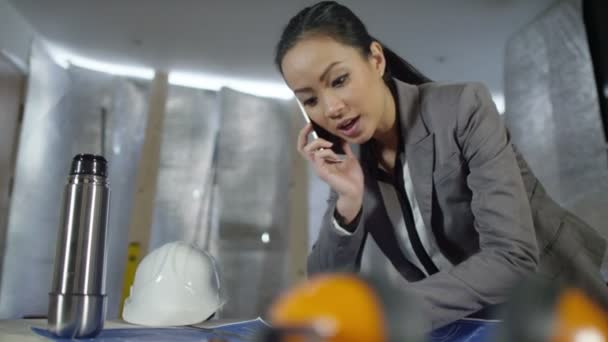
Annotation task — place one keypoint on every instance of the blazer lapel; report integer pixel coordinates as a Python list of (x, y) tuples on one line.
[(381, 228), (420, 159), (419, 148)]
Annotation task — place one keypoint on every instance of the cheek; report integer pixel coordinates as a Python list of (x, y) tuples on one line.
[(371, 108), (364, 93), (356, 98), (317, 116)]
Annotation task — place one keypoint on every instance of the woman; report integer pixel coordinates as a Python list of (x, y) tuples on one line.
[(437, 192)]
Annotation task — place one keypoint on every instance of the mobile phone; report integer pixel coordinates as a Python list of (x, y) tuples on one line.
[(320, 132)]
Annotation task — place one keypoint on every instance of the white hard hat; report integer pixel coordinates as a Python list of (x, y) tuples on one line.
[(176, 284)]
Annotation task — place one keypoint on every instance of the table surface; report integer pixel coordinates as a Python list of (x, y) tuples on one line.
[(21, 330), (462, 330)]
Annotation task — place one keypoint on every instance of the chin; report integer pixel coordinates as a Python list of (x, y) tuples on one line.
[(361, 139)]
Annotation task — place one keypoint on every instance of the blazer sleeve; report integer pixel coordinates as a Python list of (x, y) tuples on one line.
[(502, 218), (335, 250)]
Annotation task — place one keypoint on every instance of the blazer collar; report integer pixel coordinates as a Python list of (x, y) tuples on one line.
[(413, 128)]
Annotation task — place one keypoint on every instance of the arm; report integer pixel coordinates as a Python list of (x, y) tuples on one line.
[(508, 250), (335, 249)]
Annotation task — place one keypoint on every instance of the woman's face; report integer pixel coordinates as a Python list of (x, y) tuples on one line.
[(341, 90)]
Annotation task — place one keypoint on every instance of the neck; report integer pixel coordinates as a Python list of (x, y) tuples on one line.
[(387, 132)]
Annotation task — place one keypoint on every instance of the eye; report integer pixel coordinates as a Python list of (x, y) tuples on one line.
[(310, 102), (338, 82)]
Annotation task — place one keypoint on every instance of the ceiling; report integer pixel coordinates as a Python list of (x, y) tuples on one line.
[(454, 40)]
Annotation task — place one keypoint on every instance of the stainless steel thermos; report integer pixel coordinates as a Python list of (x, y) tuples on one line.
[(77, 302)]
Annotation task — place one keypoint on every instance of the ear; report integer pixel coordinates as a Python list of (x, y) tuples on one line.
[(376, 58)]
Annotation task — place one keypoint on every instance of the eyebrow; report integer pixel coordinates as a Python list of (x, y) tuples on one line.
[(323, 75)]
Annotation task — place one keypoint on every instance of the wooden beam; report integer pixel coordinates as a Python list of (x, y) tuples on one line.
[(298, 204), (145, 188)]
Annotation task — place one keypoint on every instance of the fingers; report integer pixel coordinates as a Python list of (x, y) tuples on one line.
[(303, 137), (317, 144), (326, 155), (309, 150), (348, 150), (324, 167), (306, 148)]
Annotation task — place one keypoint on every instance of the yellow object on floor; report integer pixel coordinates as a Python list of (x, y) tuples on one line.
[(130, 267)]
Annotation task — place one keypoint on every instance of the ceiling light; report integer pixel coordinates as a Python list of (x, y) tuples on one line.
[(211, 82), (499, 100), (66, 58)]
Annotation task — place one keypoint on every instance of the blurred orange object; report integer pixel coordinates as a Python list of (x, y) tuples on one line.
[(579, 319), (337, 307)]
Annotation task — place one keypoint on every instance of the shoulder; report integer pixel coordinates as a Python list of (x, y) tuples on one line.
[(448, 104), (450, 94)]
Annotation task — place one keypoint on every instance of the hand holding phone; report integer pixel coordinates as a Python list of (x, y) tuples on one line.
[(339, 168)]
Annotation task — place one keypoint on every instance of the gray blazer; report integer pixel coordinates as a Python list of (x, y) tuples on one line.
[(491, 217)]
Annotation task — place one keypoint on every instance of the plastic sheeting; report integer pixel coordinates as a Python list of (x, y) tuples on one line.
[(253, 166), (241, 214), (182, 204), (553, 113), (68, 112), (11, 92), (253, 175)]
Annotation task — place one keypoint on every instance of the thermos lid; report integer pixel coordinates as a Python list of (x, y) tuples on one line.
[(89, 164)]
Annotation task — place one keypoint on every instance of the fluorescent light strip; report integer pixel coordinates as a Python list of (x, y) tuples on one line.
[(499, 100), (65, 58), (186, 79), (113, 69), (17, 62), (211, 82)]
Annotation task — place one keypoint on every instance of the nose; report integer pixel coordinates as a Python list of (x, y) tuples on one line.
[(334, 106)]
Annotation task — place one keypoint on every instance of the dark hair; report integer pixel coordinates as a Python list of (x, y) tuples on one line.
[(329, 18)]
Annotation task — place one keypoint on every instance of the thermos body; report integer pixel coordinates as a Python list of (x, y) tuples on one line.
[(77, 300)]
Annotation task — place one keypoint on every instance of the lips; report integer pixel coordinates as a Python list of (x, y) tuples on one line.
[(347, 123), (349, 127)]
